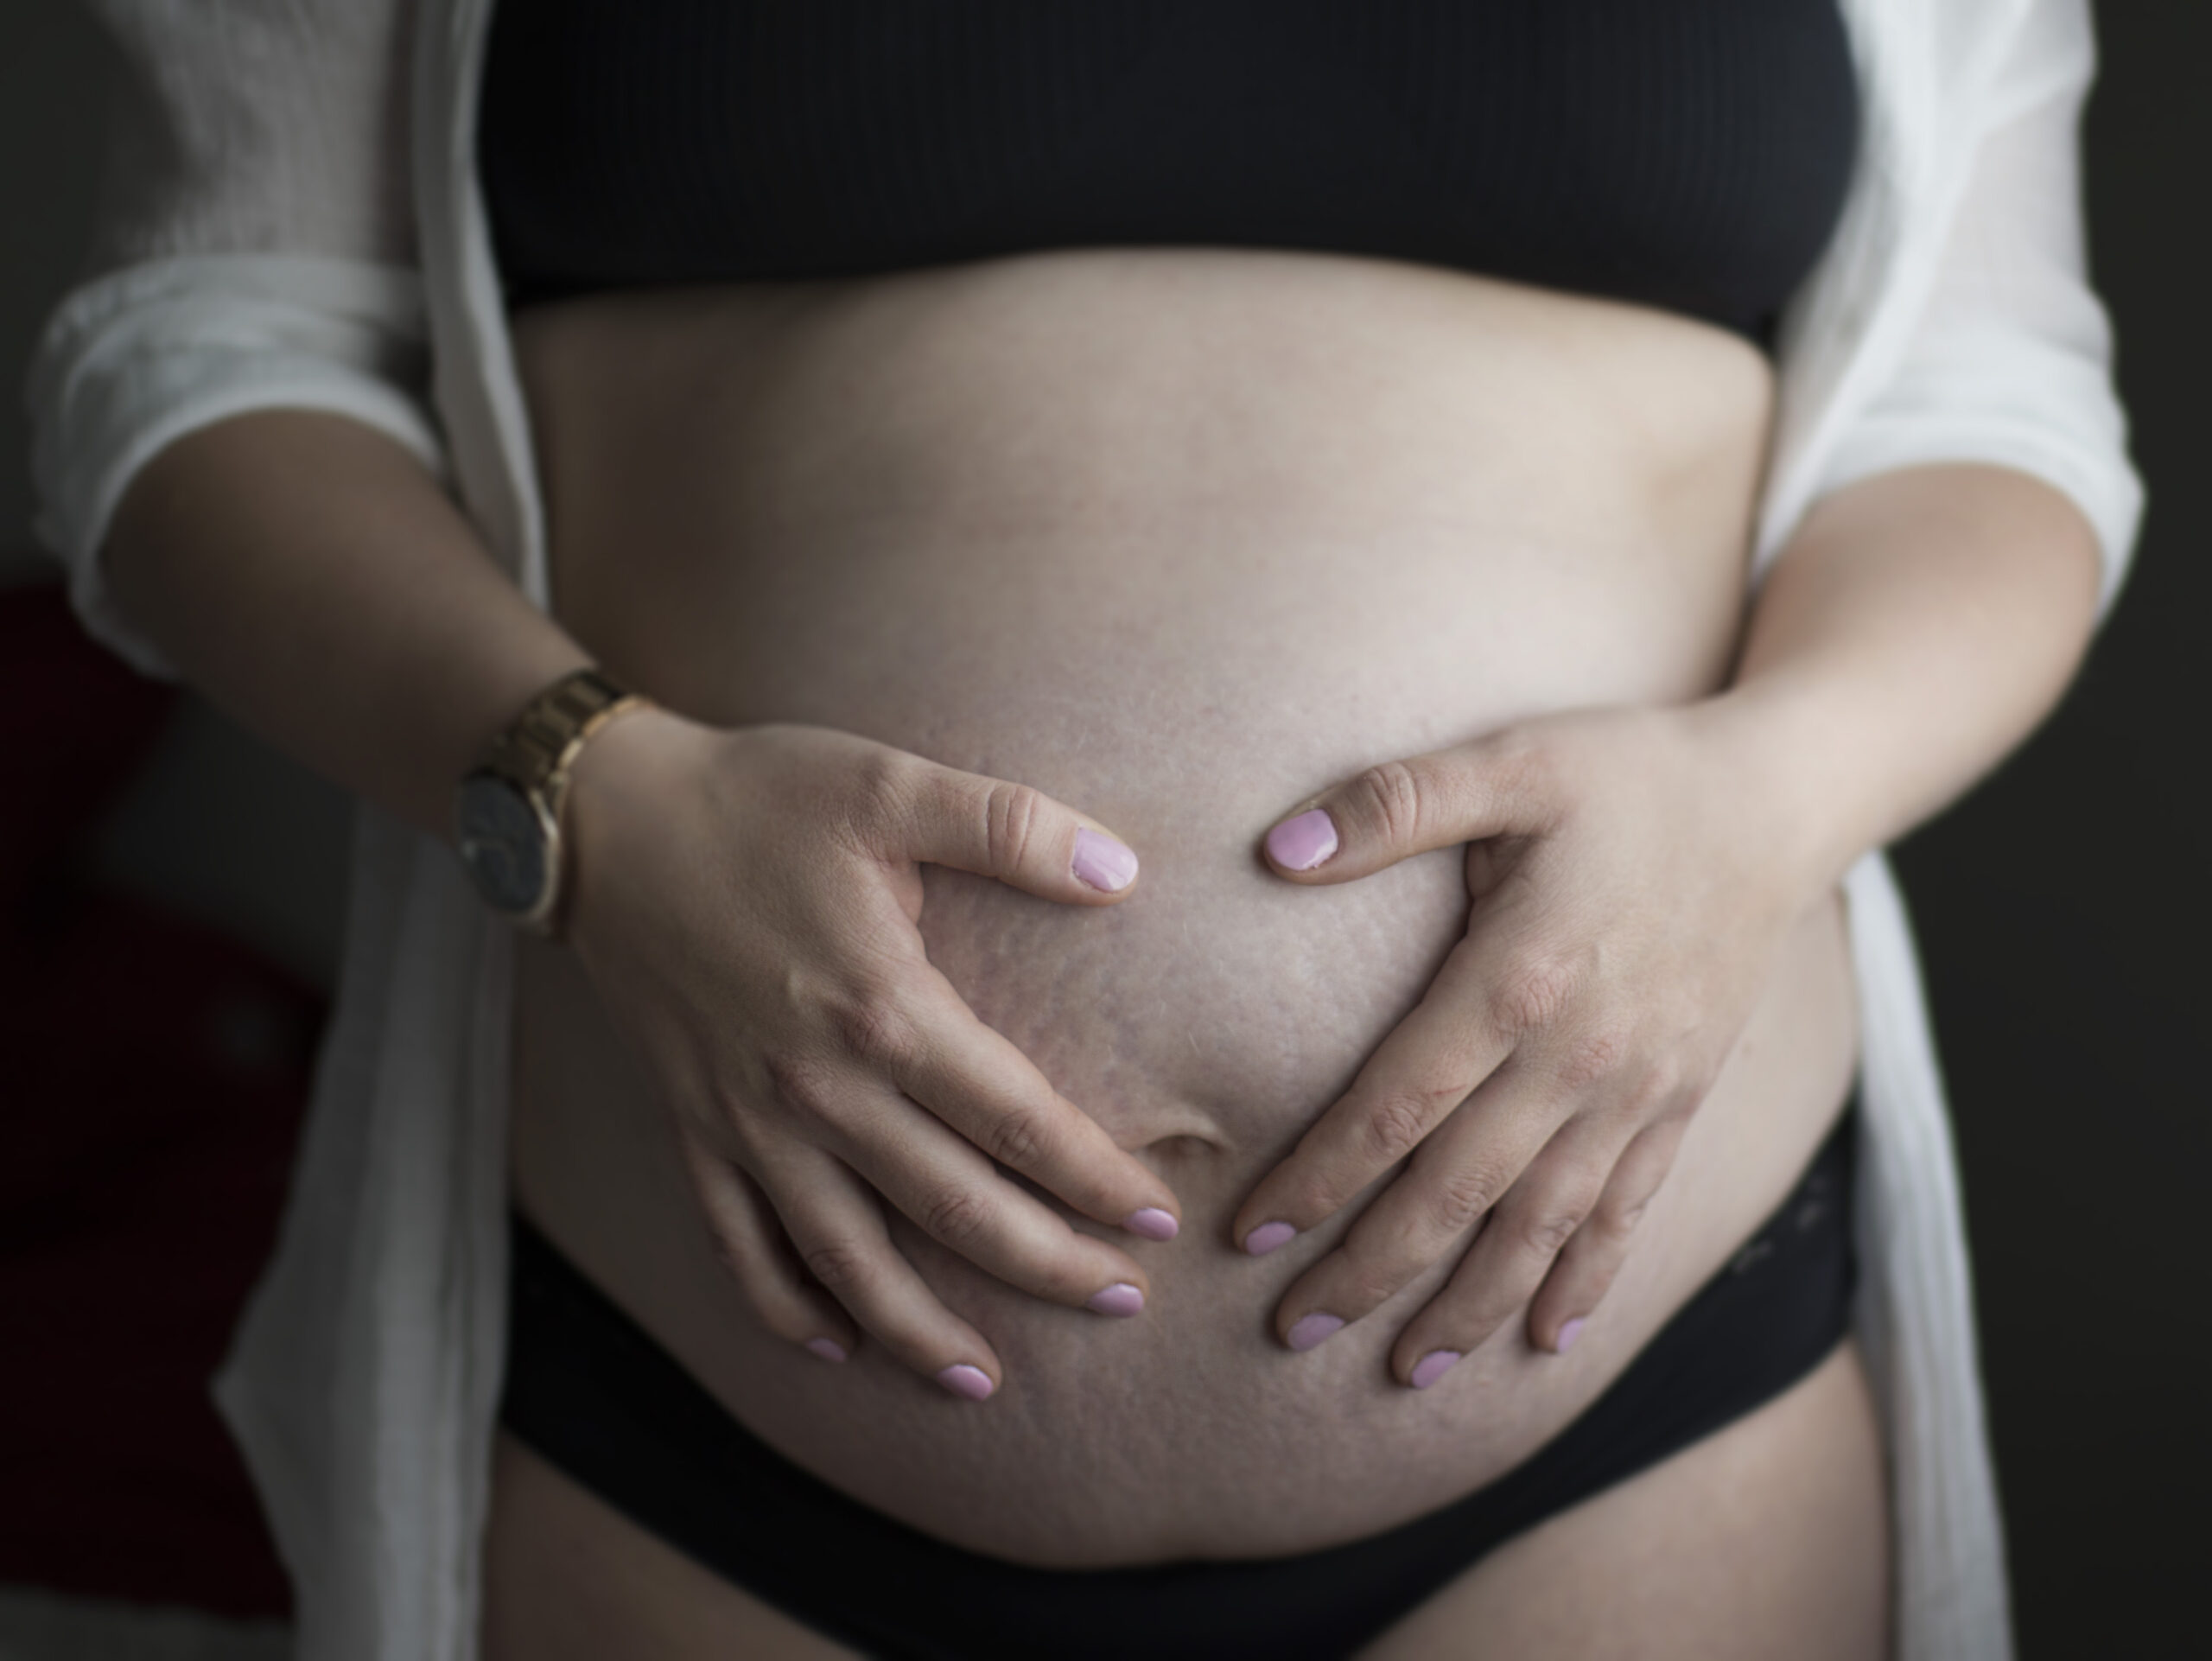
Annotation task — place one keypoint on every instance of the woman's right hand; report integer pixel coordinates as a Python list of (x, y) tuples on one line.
[(747, 903)]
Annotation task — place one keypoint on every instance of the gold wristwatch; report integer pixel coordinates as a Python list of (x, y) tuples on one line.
[(507, 812)]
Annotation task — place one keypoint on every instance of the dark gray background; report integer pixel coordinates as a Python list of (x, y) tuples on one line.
[(216, 826), (2065, 909)]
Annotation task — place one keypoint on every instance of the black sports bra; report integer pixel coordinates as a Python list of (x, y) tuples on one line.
[(1691, 154)]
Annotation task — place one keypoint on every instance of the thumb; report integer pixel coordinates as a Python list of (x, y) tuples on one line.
[(1016, 834), (1398, 809)]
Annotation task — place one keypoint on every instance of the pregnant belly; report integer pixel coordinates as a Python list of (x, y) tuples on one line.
[(1179, 538)]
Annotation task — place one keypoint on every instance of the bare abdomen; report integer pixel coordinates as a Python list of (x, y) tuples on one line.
[(1179, 537)]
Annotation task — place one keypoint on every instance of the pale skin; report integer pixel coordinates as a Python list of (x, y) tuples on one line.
[(311, 578)]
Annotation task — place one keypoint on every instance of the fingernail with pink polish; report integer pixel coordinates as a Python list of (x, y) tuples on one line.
[(1311, 1329), (1301, 843), (1266, 1237), (1433, 1367), (1153, 1223), (964, 1380), (1119, 1299), (1568, 1333), (1102, 863), (828, 1348)]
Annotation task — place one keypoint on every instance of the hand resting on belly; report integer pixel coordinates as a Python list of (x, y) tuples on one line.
[(1632, 883), (807, 1050)]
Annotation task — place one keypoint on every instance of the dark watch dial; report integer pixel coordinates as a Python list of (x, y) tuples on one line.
[(504, 842)]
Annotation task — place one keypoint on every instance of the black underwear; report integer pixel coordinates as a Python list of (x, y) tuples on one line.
[(592, 1394), (1691, 155)]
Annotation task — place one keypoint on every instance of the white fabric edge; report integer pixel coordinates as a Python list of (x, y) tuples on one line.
[(1914, 1319), (2111, 501), (479, 393), (387, 1103)]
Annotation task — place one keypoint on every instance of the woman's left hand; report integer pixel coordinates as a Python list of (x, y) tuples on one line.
[(1631, 887)]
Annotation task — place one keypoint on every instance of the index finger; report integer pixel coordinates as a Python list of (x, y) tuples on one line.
[(979, 1083), (1431, 1062)]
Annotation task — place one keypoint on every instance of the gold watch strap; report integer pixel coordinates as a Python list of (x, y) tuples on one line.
[(539, 747), (535, 752)]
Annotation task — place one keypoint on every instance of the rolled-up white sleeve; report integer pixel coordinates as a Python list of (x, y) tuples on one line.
[(254, 253), (134, 360), (2010, 361)]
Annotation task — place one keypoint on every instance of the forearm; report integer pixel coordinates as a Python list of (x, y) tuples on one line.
[(1919, 626), (307, 574)]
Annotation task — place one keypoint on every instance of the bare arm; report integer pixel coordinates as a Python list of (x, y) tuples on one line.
[(1633, 872), (1918, 627), (310, 576)]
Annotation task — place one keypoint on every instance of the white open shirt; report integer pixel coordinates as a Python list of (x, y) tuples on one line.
[(295, 221)]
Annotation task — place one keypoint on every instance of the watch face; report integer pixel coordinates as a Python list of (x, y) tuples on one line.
[(502, 843)]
